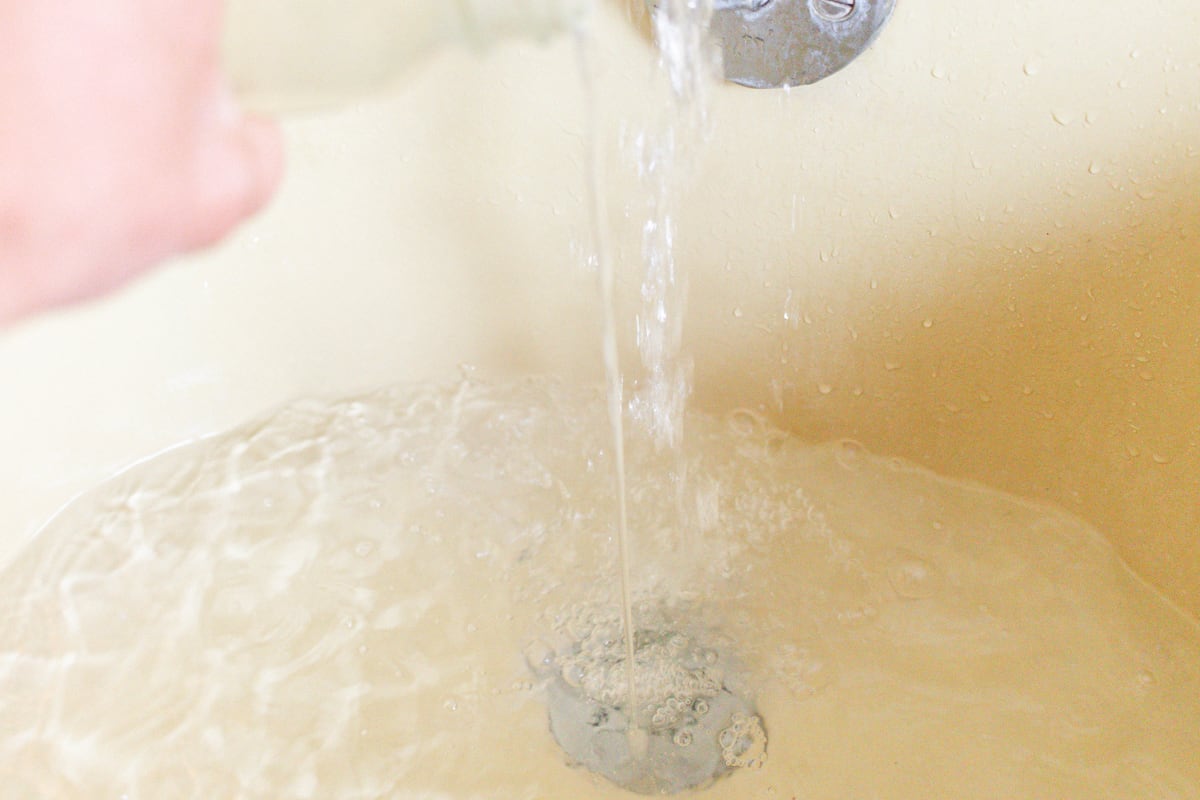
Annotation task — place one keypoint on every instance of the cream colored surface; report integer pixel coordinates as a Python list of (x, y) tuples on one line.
[(333, 602), (977, 247), (297, 55)]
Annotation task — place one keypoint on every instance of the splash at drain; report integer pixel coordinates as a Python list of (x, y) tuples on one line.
[(694, 721)]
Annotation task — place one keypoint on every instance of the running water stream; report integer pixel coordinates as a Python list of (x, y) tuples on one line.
[(680, 28), (614, 395)]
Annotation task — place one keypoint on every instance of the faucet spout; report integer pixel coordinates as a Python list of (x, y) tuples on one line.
[(773, 43)]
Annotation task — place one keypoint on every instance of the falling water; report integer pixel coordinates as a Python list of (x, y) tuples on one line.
[(681, 28), (612, 363), (666, 156)]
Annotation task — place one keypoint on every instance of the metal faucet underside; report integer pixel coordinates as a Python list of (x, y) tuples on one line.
[(773, 43)]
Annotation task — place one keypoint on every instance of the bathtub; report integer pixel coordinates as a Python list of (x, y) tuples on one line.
[(976, 248)]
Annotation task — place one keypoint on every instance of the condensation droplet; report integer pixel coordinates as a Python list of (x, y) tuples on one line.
[(912, 577), (850, 454), (1063, 116), (745, 422)]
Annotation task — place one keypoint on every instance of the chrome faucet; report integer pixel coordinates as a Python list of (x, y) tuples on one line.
[(773, 43)]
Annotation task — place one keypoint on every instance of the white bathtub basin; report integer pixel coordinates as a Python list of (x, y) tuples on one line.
[(977, 248)]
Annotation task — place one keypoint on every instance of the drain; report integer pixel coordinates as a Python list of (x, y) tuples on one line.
[(693, 726)]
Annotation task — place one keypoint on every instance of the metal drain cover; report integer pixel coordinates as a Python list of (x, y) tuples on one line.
[(692, 727)]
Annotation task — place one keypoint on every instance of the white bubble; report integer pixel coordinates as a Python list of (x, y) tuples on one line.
[(744, 742)]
